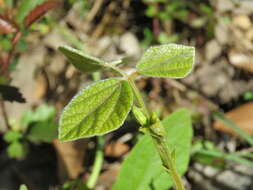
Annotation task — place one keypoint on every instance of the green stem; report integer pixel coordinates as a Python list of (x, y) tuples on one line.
[(97, 164), (158, 134), (139, 98)]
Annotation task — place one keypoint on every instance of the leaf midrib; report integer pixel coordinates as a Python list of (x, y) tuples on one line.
[(93, 94), (116, 102), (94, 109)]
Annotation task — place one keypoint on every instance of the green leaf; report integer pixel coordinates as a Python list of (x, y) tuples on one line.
[(23, 187), (169, 60), (96, 110), (11, 136), (142, 169), (44, 131), (17, 150), (43, 113), (82, 61)]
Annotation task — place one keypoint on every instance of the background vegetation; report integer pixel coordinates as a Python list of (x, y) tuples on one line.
[(37, 81)]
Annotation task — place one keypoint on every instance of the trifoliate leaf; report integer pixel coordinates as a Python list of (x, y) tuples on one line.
[(96, 110), (81, 60), (169, 60)]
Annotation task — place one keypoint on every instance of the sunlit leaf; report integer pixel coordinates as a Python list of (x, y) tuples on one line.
[(142, 169), (23, 187), (169, 60), (96, 110)]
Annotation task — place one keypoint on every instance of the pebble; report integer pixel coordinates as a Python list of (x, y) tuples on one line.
[(130, 45), (224, 5), (213, 50), (242, 21)]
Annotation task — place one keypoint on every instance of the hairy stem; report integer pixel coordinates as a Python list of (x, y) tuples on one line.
[(158, 134), (99, 158), (139, 98)]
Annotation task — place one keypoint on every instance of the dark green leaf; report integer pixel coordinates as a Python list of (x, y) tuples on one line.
[(82, 61)]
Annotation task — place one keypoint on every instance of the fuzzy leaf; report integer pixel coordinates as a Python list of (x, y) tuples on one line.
[(142, 169), (169, 60), (82, 61), (96, 110)]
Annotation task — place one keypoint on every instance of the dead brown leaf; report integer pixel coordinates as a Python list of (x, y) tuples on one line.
[(116, 149), (70, 158), (241, 116)]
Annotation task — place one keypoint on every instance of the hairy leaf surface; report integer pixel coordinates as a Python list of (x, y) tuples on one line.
[(142, 169), (169, 60), (96, 110), (82, 61)]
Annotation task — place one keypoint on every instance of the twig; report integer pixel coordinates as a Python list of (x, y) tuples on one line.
[(97, 5), (5, 115), (105, 20)]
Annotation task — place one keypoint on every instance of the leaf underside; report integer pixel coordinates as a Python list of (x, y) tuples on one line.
[(96, 110), (169, 60), (82, 61), (142, 169)]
